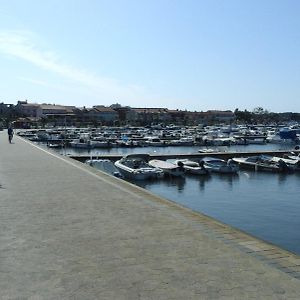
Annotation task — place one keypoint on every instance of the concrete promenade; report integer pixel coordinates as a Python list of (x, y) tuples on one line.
[(68, 231)]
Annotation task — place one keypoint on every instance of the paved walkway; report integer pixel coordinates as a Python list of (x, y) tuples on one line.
[(68, 231)]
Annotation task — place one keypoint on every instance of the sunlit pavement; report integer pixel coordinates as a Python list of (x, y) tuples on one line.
[(71, 232)]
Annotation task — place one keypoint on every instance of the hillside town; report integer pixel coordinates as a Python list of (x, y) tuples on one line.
[(34, 115)]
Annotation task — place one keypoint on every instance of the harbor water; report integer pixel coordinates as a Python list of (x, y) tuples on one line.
[(265, 205)]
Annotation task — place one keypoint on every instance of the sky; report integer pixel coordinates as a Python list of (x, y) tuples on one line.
[(196, 55)]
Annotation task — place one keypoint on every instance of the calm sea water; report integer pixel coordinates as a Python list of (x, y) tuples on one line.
[(262, 204)]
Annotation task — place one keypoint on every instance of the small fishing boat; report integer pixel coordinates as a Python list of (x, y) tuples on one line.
[(167, 167), (136, 167), (218, 165)]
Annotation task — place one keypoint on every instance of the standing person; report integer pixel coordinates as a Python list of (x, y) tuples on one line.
[(10, 133)]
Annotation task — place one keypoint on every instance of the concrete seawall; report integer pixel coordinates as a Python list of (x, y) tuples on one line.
[(71, 232)]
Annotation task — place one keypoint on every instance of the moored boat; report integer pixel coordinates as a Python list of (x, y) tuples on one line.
[(167, 167), (292, 164), (104, 165), (262, 163), (218, 165), (193, 167), (136, 166)]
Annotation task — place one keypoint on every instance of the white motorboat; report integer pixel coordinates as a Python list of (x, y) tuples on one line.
[(218, 165), (262, 163), (136, 166), (293, 155), (55, 145), (168, 168), (81, 143), (155, 141), (292, 164), (193, 167), (100, 144), (207, 150)]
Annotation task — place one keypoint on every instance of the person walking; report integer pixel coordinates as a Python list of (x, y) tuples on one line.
[(10, 133)]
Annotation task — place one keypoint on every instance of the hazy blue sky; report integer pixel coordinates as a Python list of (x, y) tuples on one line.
[(188, 54)]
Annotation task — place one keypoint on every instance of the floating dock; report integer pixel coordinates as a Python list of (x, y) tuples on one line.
[(69, 231), (193, 156)]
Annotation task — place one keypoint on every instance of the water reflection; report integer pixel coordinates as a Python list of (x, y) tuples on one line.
[(178, 182), (168, 182), (282, 177), (203, 181), (228, 178)]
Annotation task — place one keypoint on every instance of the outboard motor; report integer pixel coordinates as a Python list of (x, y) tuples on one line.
[(201, 164), (283, 167), (180, 165)]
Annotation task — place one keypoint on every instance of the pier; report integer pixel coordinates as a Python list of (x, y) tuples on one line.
[(192, 156), (69, 231)]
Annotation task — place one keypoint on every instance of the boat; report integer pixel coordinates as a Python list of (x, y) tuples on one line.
[(104, 165), (183, 141), (136, 167), (55, 145), (262, 163), (193, 167), (81, 143), (100, 142), (293, 155), (155, 142), (292, 164), (167, 167), (207, 150), (186, 141), (218, 165)]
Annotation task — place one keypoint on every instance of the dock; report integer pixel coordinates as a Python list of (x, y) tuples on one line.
[(192, 156), (69, 231)]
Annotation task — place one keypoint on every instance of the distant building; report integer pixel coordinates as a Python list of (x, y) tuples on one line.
[(98, 114), (143, 116), (176, 116), (26, 109), (221, 116), (106, 114), (116, 115), (59, 114)]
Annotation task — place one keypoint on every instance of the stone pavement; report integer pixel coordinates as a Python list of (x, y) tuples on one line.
[(68, 231)]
